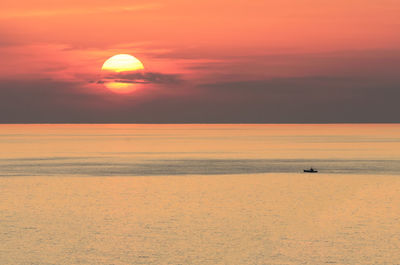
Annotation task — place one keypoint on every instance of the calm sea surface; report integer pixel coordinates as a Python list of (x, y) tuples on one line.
[(199, 194)]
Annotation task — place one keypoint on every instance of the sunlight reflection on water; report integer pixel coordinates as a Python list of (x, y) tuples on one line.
[(199, 194)]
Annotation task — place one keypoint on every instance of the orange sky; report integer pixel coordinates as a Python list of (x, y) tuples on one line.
[(300, 25), (204, 42), (192, 32)]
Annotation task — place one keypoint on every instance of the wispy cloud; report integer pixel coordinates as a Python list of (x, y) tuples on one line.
[(76, 11), (143, 78)]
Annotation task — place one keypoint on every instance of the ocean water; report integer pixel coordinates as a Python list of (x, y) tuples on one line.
[(199, 194)]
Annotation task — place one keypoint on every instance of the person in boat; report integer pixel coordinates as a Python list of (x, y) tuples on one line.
[(310, 170)]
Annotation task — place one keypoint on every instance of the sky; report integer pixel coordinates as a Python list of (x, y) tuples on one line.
[(209, 61)]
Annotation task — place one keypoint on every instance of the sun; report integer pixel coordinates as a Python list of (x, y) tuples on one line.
[(120, 64)]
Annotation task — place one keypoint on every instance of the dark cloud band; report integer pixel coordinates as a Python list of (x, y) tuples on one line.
[(142, 78)]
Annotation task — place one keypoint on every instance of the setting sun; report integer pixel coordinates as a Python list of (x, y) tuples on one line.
[(120, 64)]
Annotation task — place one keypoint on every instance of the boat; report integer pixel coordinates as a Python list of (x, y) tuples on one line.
[(311, 170)]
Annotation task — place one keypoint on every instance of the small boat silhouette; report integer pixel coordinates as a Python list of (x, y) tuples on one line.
[(311, 170)]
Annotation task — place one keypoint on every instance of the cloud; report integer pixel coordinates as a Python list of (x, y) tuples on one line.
[(143, 78), (316, 99), (281, 100), (50, 89), (75, 11)]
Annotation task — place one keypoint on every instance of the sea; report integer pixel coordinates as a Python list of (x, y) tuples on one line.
[(199, 194)]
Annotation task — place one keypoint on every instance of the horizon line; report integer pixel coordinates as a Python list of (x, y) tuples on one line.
[(197, 123)]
